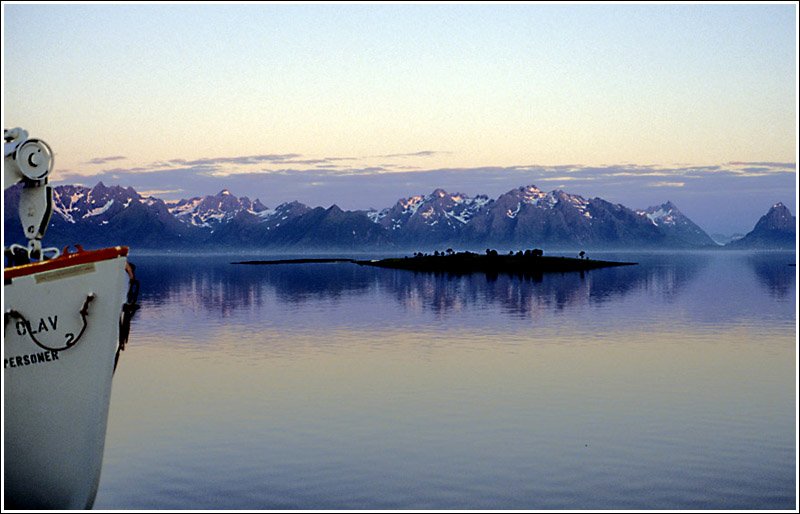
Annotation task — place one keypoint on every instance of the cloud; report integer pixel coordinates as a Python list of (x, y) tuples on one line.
[(103, 160), (131, 174), (243, 159), (423, 153), (137, 169), (562, 179), (318, 162), (756, 169), (299, 168), (667, 184), (541, 168), (642, 174), (158, 192), (770, 164), (700, 168), (296, 164)]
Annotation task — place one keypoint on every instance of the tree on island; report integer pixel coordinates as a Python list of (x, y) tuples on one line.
[(582, 255)]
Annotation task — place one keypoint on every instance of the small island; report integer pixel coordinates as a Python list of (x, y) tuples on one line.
[(527, 262)]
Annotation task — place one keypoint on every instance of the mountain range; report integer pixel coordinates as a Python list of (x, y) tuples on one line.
[(524, 217)]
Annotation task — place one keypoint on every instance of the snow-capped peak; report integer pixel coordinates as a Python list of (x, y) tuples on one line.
[(208, 211), (95, 204), (438, 208), (659, 215)]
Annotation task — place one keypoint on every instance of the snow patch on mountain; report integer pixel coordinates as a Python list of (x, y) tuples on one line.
[(99, 210), (412, 204)]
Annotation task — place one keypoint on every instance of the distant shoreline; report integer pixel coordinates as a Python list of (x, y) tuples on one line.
[(466, 262)]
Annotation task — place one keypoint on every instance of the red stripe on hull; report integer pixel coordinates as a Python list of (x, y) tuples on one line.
[(66, 260)]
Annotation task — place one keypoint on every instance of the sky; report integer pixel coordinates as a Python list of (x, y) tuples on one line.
[(362, 104)]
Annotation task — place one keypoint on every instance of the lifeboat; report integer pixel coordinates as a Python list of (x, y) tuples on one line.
[(66, 320)]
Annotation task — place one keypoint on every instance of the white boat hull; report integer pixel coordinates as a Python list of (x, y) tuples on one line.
[(56, 396)]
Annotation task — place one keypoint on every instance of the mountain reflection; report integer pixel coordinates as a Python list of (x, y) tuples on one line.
[(219, 287), (775, 272), (524, 295), (207, 283)]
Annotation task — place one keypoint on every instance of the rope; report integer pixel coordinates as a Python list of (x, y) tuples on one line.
[(72, 340), (128, 310)]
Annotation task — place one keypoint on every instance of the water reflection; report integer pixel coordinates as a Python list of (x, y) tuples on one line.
[(522, 295), (221, 288), (775, 272), (206, 282), (333, 386)]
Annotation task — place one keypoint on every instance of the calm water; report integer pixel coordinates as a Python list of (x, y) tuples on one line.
[(668, 385)]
